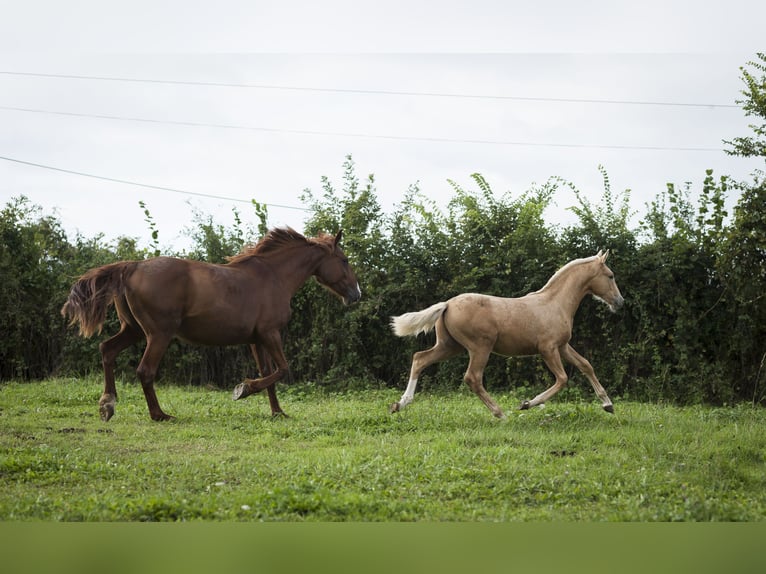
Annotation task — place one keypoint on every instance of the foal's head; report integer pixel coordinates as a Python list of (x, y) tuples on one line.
[(336, 274), (603, 286)]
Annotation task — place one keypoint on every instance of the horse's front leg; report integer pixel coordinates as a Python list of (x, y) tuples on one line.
[(265, 368), (269, 354)]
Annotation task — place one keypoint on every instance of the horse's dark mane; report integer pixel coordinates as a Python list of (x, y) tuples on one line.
[(277, 239)]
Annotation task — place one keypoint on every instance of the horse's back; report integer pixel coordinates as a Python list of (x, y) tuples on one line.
[(202, 302), (158, 280)]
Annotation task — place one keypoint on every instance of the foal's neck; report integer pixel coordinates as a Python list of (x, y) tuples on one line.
[(570, 288)]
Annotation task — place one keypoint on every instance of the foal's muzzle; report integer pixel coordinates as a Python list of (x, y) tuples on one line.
[(615, 305)]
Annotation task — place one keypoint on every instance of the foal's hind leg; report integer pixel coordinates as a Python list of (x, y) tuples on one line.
[(444, 348), (587, 369), (474, 375), (553, 361), (110, 348)]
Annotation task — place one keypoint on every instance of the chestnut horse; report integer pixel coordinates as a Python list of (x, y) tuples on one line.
[(538, 323), (246, 301)]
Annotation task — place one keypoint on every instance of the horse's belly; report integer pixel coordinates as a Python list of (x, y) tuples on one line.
[(212, 332)]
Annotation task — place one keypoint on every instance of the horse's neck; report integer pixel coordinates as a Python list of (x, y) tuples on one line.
[(295, 267)]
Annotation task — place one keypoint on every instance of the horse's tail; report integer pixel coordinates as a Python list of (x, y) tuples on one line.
[(93, 293), (419, 321)]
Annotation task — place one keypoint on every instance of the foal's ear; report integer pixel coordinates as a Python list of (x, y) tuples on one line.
[(603, 255), (338, 237)]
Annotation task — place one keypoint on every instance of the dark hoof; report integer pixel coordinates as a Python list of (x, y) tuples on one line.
[(106, 412), (240, 391), (524, 406), (394, 408), (609, 409), (162, 417)]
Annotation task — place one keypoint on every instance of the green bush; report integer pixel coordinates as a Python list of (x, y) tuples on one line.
[(692, 329)]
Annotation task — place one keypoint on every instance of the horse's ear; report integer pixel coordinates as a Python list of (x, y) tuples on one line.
[(604, 256), (338, 237)]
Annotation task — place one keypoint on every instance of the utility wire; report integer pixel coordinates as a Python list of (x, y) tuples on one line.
[(148, 186), (370, 92), (359, 135)]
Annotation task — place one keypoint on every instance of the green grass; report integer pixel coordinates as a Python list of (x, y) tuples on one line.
[(343, 457)]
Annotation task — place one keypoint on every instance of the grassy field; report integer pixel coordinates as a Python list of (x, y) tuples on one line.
[(343, 457)]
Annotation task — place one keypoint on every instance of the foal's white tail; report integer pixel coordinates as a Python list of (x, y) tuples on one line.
[(419, 321)]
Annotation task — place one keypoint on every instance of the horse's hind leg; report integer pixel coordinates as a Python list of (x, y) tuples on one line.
[(473, 378), (586, 369), (444, 348), (156, 345), (128, 335)]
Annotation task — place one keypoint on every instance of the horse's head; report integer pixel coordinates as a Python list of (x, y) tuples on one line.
[(335, 273), (603, 286)]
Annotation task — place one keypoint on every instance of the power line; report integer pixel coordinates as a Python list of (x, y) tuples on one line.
[(371, 92), (357, 134), (148, 186)]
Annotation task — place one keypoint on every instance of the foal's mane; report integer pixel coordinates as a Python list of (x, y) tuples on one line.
[(565, 271), (278, 240)]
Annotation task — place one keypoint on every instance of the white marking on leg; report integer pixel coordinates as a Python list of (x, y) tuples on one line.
[(409, 393)]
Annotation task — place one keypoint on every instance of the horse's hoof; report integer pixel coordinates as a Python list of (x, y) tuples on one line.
[(278, 415), (394, 408), (162, 417), (524, 406), (609, 408), (106, 412), (240, 391)]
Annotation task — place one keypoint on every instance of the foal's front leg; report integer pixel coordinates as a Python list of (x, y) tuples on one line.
[(586, 369)]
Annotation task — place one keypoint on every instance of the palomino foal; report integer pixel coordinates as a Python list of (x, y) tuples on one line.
[(538, 323)]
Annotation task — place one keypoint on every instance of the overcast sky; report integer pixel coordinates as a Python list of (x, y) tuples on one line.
[(255, 101)]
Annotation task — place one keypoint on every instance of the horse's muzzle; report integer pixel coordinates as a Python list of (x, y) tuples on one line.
[(352, 295), (615, 305)]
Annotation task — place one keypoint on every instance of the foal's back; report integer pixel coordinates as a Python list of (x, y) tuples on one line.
[(510, 326)]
